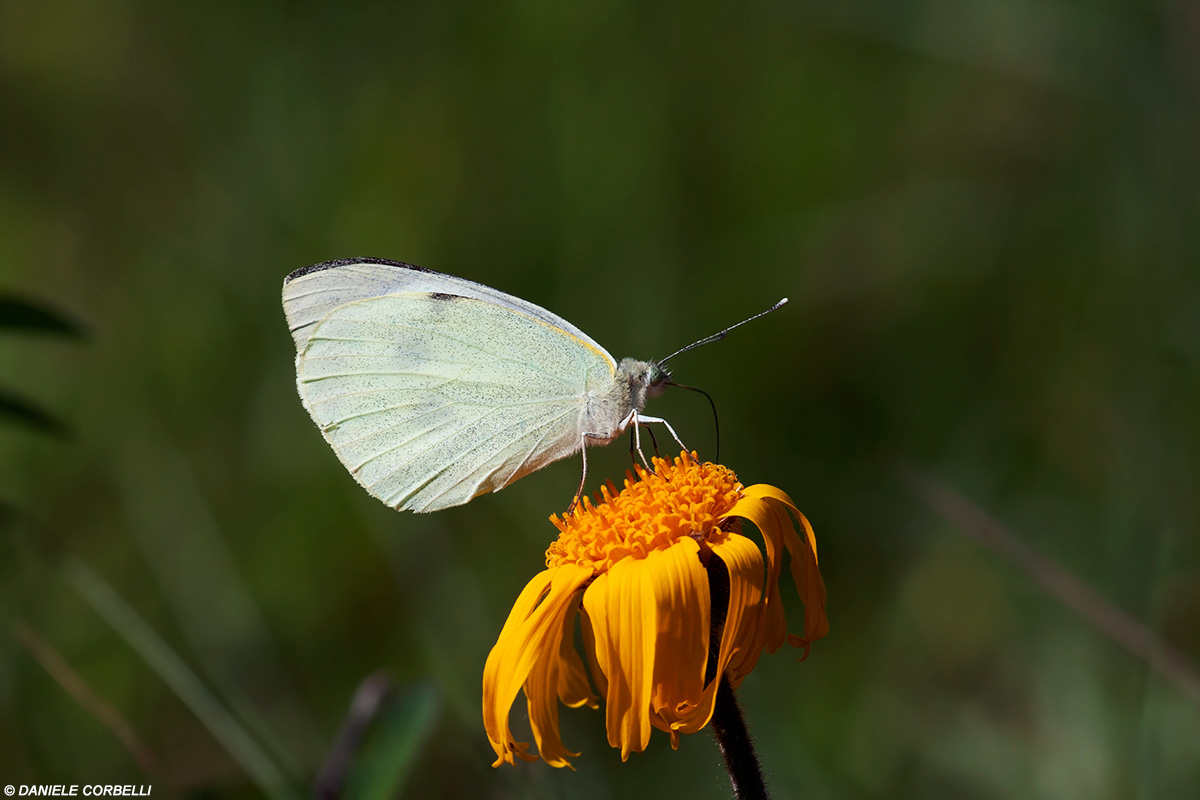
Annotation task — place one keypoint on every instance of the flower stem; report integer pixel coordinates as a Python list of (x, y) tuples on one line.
[(734, 740)]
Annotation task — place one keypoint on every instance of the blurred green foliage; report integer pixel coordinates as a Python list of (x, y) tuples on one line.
[(986, 213), (25, 317)]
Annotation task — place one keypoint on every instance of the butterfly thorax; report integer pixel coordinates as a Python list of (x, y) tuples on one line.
[(609, 405)]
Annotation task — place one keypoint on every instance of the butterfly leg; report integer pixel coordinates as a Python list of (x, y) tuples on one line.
[(644, 419), (637, 437), (653, 441), (583, 477), (633, 445)]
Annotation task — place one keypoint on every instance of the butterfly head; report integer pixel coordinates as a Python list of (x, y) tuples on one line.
[(657, 377), (644, 379)]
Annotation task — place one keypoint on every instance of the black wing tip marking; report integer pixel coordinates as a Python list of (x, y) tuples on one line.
[(343, 262)]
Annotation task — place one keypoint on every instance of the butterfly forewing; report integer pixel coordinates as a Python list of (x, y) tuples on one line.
[(309, 294), (430, 398)]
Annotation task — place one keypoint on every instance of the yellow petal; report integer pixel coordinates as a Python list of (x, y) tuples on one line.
[(574, 690), (589, 646), (620, 604), (773, 624), (763, 490), (742, 639), (670, 728), (499, 690), (681, 609), (805, 571), (534, 624), (542, 689), (809, 583)]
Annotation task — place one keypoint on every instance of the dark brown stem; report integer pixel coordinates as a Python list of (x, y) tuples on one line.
[(734, 740)]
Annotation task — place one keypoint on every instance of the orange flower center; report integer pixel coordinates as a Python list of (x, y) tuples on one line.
[(652, 513)]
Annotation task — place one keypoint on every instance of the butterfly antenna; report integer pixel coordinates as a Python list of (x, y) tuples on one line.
[(716, 337), (716, 421)]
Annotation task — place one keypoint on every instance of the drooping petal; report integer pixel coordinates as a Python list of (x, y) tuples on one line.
[(682, 609), (620, 606), (810, 584), (772, 624), (535, 623), (550, 676), (803, 552), (589, 647), (742, 638), (499, 687), (804, 569), (573, 687), (744, 562), (763, 490)]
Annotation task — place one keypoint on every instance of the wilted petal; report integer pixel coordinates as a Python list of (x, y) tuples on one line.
[(805, 572), (682, 610), (620, 605), (773, 623), (589, 648), (550, 676), (742, 638), (533, 627), (573, 687)]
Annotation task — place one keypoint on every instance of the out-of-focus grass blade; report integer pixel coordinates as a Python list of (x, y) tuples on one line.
[(176, 674), (18, 410), (73, 684), (1124, 629), (188, 562), (22, 315), (405, 720)]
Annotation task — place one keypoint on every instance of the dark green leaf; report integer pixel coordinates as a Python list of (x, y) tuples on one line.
[(18, 314), (23, 412)]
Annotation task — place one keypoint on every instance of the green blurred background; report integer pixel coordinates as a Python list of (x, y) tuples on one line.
[(985, 213)]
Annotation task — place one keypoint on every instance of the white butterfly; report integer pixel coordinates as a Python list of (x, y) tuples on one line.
[(434, 389)]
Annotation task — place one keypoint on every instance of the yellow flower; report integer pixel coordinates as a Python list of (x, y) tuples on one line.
[(642, 561)]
